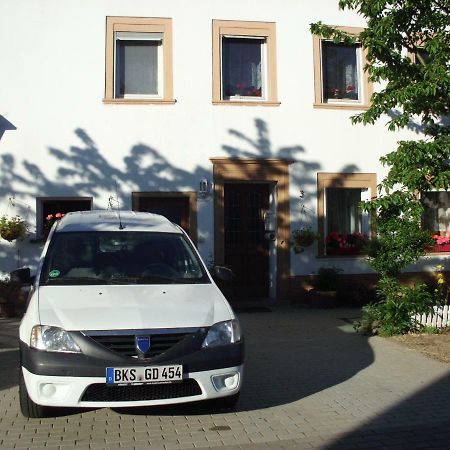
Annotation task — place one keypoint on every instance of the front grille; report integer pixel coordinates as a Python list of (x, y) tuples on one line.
[(125, 345), (102, 393)]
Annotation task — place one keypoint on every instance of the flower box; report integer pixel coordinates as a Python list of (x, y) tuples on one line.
[(441, 248), (344, 251), (346, 244)]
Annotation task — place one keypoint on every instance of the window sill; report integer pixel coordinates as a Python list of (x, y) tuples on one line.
[(137, 101), (360, 256), (245, 103), (443, 253), (341, 106)]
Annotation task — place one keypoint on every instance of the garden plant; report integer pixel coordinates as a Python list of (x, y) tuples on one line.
[(408, 53)]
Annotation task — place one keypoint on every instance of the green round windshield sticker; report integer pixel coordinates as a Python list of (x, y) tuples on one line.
[(54, 273)]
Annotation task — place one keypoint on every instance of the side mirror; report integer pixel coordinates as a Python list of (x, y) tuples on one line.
[(223, 273), (22, 276)]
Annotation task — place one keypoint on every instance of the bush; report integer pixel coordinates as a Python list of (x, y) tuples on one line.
[(394, 313), (370, 320), (327, 279)]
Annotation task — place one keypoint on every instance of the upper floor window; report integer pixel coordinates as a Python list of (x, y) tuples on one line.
[(340, 81), (244, 69), (139, 64), (138, 60)]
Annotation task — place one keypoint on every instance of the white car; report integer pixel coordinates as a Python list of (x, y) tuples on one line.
[(123, 312)]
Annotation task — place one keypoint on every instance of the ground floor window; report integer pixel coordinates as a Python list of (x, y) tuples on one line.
[(436, 218), (178, 207), (48, 208), (342, 224)]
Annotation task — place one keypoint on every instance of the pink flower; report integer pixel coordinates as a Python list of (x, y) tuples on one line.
[(441, 240), (49, 217), (58, 215)]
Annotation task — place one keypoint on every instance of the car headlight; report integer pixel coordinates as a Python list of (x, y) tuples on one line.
[(223, 333), (52, 339)]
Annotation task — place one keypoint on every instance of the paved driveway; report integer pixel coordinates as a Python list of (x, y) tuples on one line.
[(310, 383)]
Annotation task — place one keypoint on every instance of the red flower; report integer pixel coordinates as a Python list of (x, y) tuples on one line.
[(441, 240)]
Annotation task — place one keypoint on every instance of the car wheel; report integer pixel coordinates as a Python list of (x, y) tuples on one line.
[(28, 408)]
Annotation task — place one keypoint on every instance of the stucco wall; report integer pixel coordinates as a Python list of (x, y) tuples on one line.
[(67, 142)]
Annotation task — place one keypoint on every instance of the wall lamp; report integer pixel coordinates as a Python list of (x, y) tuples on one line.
[(205, 188)]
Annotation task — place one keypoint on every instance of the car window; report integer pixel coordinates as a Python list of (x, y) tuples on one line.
[(121, 258)]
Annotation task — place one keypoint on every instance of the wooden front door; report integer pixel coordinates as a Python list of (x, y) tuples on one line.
[(246, 249)]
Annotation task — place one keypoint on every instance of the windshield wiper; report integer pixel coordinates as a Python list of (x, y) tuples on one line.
[(158, 278), (76, 280)]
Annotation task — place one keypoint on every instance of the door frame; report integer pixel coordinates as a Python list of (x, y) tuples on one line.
[(271, 170)]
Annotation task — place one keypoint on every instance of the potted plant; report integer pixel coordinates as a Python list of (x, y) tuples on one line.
[(301, 238), (346, 244), (325, 286), (50, 219), (12, 228)]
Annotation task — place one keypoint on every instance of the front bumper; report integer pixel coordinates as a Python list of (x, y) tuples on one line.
[(79, 380), (69, 391)]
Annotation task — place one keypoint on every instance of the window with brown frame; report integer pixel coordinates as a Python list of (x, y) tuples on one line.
[(178, 207), (343, 225), (244, 63), (49, 209), (436, 218), (339, 79), (138, 60)]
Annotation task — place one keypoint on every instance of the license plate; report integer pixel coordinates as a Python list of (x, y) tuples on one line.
[(139, 375)]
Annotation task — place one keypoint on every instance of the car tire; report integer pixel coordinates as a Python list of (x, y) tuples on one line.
[(28, 408)]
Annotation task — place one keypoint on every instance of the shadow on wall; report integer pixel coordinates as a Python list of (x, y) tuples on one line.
[(84, 170), (304, 174)]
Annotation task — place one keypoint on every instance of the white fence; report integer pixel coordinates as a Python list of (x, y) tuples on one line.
[(440, 318)]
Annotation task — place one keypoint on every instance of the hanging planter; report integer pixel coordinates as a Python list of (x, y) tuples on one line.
[(302, 238), (12, 228)]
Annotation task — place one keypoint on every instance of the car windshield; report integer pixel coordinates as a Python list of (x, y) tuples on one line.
[(124, 257)]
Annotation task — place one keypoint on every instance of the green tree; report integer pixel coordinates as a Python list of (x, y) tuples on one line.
[(408, 53)]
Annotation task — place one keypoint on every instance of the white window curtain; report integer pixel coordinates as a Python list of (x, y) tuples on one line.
[(343, 214), (436, 216), (137, 67), (242, 66), (138, 64), (340, 71)]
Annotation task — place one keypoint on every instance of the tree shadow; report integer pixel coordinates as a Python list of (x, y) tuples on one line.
[(415, 126), (289, 356), (83, 170), (420, 421)]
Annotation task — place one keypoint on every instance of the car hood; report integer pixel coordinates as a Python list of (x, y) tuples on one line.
[(132, 306)]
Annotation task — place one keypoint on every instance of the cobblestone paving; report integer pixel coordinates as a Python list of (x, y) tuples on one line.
[(311, 383)]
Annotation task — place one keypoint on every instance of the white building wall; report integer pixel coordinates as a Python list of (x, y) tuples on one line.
[(67, 142)]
